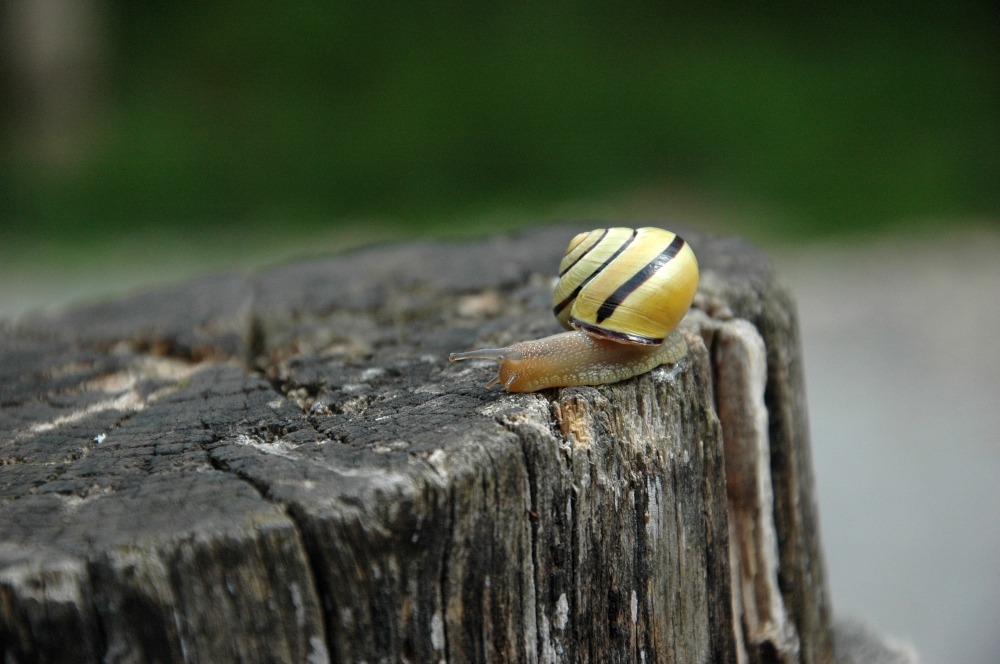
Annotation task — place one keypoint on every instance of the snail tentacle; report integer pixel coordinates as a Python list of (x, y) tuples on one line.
[(498, 354)]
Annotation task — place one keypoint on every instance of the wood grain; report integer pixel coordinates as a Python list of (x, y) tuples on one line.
[(284, 467)]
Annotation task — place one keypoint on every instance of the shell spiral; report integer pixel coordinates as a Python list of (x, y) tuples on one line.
[(632, 286)]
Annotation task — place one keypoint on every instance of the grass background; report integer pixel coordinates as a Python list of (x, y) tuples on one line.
[(824, 119)]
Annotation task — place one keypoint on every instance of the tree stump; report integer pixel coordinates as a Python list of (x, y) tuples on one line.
[(285, 467)]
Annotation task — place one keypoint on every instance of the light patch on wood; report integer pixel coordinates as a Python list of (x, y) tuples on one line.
[(146, 367), (123, 384), (128, 402), (562, 612), (548, 648), (318, 653), (575, 422), (740, 360), (391, 446), (437, 631), (355, 406), (438, 461), (54, 582), (277, 448), (371, 374), (73, 502)]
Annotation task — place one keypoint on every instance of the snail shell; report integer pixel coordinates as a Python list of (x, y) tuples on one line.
[(632, 286), (623, 292)]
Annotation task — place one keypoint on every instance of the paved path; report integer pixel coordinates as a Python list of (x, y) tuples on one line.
[(902, 351)]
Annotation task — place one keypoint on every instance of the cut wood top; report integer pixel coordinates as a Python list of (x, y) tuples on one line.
[(270, 419)]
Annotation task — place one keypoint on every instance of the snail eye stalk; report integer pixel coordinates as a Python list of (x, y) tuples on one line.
[(496, 354)]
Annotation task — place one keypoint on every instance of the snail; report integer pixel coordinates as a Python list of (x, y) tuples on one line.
[(622, 292)]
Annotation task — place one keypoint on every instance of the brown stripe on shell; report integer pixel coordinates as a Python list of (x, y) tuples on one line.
[(589, 249), (607, 309), (576, 291)]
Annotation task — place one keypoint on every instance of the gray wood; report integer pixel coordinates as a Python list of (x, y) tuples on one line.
[(285, 467)]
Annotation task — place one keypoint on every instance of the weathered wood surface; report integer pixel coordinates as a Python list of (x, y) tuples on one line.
[(285, 467)]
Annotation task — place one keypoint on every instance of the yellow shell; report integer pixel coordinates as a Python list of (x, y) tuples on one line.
[(633, 286)]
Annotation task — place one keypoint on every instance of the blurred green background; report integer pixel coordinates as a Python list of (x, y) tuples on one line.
[(174, 117)]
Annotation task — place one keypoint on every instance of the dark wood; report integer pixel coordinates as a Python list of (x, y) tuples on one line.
[(285, 467)]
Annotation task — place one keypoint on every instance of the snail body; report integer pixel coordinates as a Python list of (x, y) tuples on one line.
[(574, 358), (622, 292)]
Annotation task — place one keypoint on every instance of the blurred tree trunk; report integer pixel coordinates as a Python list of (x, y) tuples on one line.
[(52, 54)]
